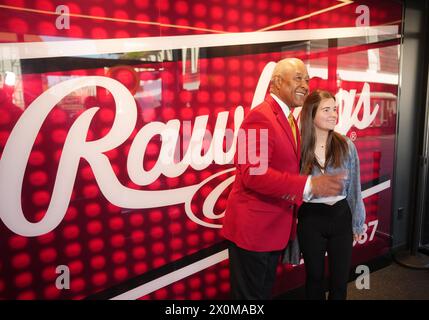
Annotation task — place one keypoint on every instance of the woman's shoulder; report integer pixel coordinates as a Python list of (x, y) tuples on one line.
[(349, 141), (352, 151)]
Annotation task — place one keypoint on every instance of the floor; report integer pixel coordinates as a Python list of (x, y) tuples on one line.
[(393, 282), (388, 280)]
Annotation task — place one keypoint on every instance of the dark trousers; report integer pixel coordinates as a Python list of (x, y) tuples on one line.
[(323, 228), (252, 273)]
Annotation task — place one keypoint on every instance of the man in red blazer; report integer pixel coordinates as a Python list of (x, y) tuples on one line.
[(260, 217)]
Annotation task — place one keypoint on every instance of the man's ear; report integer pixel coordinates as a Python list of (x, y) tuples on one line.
[(277, 82)]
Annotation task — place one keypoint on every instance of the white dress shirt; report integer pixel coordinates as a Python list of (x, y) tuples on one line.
[(326, 200), (307, 188)]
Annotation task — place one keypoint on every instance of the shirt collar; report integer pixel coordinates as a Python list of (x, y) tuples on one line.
[(282, 105)]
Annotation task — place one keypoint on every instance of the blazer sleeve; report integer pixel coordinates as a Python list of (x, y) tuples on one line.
[(262, 177)]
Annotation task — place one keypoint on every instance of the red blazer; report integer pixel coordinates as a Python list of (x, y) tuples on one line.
[(261, 209)]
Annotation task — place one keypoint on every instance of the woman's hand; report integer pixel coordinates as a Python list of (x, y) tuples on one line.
[(357, 237)]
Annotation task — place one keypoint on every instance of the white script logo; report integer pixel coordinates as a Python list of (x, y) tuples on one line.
[(17, 150)]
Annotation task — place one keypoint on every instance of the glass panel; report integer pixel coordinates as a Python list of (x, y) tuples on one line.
[(98, 117)]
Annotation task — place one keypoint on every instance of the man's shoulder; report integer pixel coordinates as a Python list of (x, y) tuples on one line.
[(259, 115), (262, 109)]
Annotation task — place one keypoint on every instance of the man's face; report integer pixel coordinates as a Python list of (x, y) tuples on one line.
[(294, 85)]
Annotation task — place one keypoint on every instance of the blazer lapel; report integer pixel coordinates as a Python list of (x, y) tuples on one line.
[(284, 123)]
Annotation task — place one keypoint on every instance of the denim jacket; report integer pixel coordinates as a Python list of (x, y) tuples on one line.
[(352, 187), (352, 192)]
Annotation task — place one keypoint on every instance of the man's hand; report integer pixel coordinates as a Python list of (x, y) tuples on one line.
[(327, 185)]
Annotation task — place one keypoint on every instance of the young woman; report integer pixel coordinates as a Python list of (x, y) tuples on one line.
[(328, 224)]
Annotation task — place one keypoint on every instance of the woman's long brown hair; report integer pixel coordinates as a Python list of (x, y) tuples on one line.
[(336, 146)]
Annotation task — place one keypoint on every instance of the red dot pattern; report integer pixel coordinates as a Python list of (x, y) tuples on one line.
[(169, 17)]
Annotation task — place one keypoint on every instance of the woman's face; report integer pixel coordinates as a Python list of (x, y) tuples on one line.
[(326, 115)]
